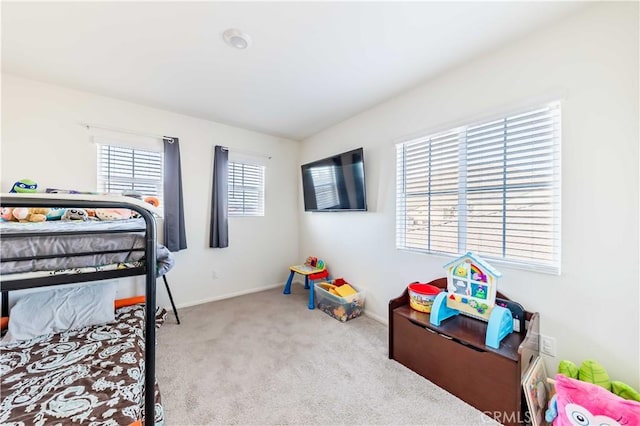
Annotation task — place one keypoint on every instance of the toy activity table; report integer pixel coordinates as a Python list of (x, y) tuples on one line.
[(311, 273)]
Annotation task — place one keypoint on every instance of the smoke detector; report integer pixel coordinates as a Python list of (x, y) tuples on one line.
[(236, 38)]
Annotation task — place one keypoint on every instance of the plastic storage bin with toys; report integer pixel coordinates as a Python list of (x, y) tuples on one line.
[(339, 299)]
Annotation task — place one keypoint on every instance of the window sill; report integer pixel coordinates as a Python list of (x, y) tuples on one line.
[(543, 269)]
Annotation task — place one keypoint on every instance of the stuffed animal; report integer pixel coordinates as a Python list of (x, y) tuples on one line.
[(6, 214), (24, 186), (583, 403), (55, 213), (113, 214), (75, 214), (23, 214), (154, 201), (593, 372)]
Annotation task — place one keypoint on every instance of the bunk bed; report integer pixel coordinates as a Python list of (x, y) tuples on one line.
[(134, 263)]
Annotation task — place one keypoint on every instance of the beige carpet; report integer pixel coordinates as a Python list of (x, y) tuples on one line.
[(265, 359)]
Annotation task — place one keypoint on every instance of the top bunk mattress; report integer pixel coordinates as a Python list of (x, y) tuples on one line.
[(74, 244)]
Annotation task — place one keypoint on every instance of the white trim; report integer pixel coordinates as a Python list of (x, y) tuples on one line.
[(228, 296), (248, 157), (543, 269), (491, 114), (144, 144), (377, 317), (97, 128)]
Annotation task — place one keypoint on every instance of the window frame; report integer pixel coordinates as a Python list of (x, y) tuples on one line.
[(104, 178), (246, 209), (462, 192)]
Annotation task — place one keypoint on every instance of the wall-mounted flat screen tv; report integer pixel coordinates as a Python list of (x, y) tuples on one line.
[(335, 183)]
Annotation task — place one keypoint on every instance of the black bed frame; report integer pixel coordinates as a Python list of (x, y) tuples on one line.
[(148, 269)]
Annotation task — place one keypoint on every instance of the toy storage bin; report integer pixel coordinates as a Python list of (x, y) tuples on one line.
[(421, 296), (341, 308)]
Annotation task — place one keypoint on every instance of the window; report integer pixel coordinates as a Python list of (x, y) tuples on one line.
[(246, 189), (492, 188), (128, 169)]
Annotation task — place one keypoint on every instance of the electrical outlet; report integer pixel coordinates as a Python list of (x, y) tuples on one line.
[(214, 275), (548, 345)]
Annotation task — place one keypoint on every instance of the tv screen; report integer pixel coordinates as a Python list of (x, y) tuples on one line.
[(335, 183)]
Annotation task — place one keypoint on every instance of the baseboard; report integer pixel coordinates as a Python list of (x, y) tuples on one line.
[(377, 317), (228, 295)]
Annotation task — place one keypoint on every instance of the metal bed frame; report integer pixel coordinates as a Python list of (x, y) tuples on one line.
[(148, 269)]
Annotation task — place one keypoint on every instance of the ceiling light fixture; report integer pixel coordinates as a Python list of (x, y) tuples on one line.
[(236, 38)]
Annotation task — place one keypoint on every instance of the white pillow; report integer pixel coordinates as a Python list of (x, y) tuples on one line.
[(53, 311)]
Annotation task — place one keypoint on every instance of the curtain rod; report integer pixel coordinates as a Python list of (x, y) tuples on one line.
[(255, 154), (131, 132)]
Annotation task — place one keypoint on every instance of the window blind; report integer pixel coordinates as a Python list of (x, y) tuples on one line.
[(246, 189), (492, 188), (127, 169)]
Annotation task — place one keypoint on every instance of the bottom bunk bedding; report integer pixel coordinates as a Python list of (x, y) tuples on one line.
[(94, 375)]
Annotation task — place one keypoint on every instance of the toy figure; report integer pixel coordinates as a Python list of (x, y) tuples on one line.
[(75, 214), (461, 270), (24, 186)]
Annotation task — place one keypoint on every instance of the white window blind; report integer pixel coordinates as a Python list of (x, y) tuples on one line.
[(246, 189), (128, 169), (492, 188)]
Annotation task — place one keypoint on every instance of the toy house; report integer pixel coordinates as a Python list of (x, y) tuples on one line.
[(471, 286)]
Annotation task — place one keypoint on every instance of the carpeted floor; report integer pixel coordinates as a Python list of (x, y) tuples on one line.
[(265, 359)]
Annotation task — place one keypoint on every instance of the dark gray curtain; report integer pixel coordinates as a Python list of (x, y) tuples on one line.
[(175, 237), (219, 234)]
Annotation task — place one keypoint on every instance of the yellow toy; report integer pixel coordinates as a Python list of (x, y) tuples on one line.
[(345, 290)]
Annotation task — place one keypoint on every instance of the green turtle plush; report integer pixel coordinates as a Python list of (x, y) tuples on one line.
[(24, 186)]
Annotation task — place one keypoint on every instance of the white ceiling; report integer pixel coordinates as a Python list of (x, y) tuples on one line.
[(311, 65)]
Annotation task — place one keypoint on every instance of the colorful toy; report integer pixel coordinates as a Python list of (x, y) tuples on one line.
[(345, 290), (6, 214), (153, 201), (55, 213), (500, 326), (472, 286), (471, 290), (338, 282), (75, 214), (312, 269), (591, 371), (582, 403), (536, 391), (340, 306), (421, 296), (24, 186), (113, 214)]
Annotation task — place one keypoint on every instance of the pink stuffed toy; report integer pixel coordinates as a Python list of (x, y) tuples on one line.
[(113, 214), (582, 403), (6, 214)]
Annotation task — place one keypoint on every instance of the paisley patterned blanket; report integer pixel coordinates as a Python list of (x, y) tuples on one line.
[(90, 376)]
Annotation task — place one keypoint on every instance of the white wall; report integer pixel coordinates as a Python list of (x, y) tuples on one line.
[(41, 140), (591, 60)]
